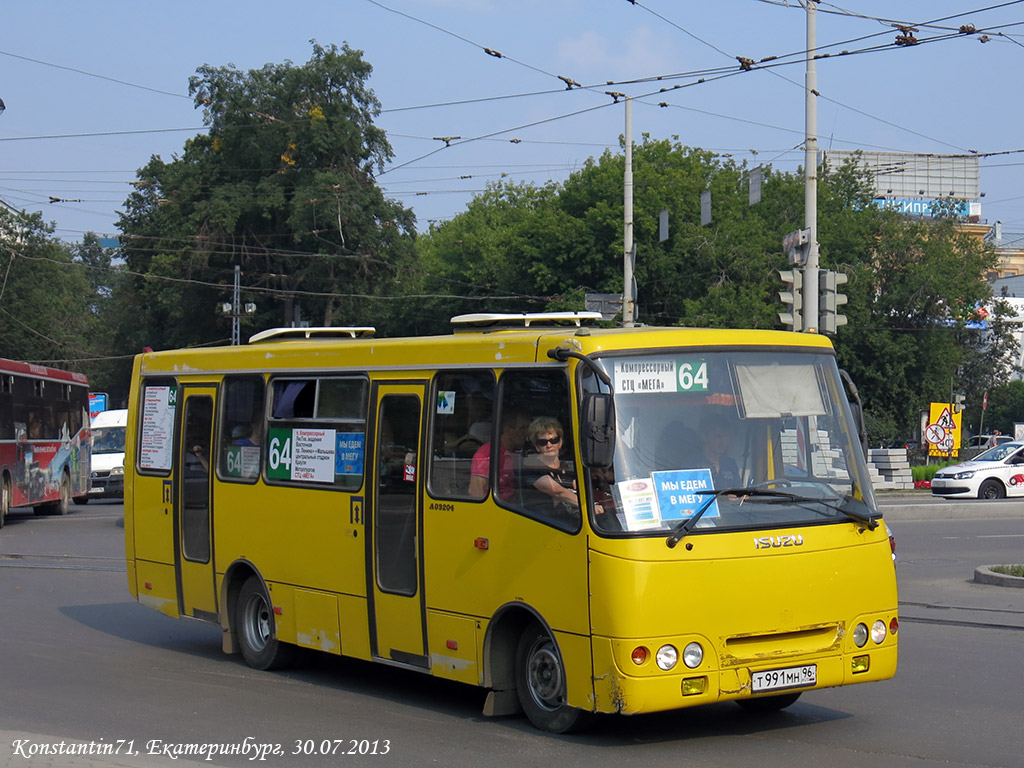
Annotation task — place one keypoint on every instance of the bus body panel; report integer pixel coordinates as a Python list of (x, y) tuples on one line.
[(268, 524), (774, 609), (454, 647), (816, 583), (520, 559)]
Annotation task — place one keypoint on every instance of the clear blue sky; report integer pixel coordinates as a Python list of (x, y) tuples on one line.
[(78, 72)]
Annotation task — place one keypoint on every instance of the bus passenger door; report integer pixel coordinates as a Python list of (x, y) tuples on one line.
[(193, 539), (398, 623)]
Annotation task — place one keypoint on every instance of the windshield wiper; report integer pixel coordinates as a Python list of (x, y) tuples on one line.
[(856, 515), (680, 531), (687, 525)]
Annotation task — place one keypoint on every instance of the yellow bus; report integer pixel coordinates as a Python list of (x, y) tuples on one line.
[(581, 520)]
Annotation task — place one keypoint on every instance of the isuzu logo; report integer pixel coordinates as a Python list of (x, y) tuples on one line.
[(771, 542)]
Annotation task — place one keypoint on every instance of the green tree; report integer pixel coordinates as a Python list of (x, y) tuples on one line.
[(282, 185), (45, 299), (913, 284)]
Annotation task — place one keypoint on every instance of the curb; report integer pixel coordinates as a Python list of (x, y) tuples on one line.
[(984, 574)]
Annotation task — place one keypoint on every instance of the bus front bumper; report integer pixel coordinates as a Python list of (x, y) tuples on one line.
[(650, 689)]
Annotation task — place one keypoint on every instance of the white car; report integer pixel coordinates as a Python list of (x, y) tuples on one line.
[(996, 473)]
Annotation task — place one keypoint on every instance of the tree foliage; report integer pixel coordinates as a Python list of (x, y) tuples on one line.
[(46, 312), (282, 185), (914, 284)]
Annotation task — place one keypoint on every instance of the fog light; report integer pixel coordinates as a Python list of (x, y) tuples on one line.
[(860, 664), (860, 635), (691, 686), (693, 655), (640, 655), (667, 657), (878, 631)]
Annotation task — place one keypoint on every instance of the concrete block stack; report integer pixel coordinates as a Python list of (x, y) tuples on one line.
[(893, 466), (826, 461)]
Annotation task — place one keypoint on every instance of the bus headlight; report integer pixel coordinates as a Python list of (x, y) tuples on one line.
[(878, 631), (860, 635), (693, 655), (667, 657)]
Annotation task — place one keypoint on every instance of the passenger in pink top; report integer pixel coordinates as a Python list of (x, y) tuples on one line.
[(513, 434)]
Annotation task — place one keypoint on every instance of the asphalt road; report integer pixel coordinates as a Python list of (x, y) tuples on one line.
[(81, 660)]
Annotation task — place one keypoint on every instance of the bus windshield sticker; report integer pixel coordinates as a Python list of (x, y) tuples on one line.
[(351, 447), (679, 493), (157, 436), (446, 402), (644, 376), (639, 504)]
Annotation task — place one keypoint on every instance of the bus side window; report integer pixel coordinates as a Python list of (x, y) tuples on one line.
[(294, 398), (543, 397), (241, 427), (461, 426), (333, 406)]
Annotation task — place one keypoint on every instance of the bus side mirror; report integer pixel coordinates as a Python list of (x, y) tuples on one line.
[(598, 430)]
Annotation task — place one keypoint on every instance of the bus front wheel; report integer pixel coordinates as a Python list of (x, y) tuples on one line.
[(254, 623), (540, 682)]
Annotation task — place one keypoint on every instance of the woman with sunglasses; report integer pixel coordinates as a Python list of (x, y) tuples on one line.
[(545, 469)]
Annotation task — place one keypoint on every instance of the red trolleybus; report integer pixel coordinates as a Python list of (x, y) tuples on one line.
[(44, 437)]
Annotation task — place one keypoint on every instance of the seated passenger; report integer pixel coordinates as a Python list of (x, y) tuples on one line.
[(545, 471), (513, 432)]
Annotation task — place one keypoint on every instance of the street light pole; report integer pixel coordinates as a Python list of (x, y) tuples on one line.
[(627, 263), (810, 282)]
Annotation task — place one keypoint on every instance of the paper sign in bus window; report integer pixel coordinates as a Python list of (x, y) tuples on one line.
[(639, 504), (679, 493), (157, 435), (301, 454), (646, 376), (351, 447), (446, 402)]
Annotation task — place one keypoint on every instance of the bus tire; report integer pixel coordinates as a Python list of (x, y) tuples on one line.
[(762, 704), (5, 499), (63, 505), (257, 634), (540, 683)]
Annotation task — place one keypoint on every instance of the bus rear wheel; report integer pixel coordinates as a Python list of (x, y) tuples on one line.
[(257, 635), (63, 503), (5, 499), (540, 683)]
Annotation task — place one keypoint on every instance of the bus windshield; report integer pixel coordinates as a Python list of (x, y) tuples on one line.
[(696, 428)]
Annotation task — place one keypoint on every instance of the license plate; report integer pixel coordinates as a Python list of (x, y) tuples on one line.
[(790, 677), (938, 483)]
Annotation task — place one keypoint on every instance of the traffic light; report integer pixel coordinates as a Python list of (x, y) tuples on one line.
[(958, 403), (792, 318), (795, 245), (830, 300)]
